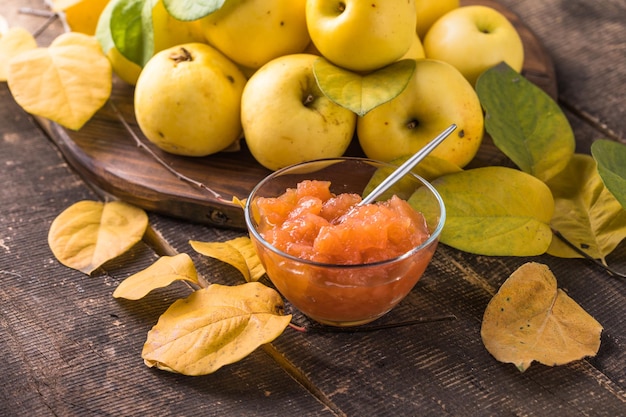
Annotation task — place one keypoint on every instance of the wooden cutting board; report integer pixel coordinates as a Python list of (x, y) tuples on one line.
[(106, 155)]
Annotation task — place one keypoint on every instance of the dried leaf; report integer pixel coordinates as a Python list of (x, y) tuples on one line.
[(361, 93), (67, 82), (530, 319), (246, 248), (214, 327), (611, 159), (89, 233), (586, 213), (166, 270), (12, 43), (525, 123), (241, 203), (238, 252), (493, 211)]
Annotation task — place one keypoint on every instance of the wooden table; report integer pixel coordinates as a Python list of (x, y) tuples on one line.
[(68, 348)]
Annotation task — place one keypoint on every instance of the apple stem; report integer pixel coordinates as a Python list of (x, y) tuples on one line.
[(182, 55), (310, 98)]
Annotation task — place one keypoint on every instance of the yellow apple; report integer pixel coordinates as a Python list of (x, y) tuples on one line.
[(416, 51), (474, 39), (188, 100), (361, 35), (254, 32), (437, 96), (287, 119), (428, 11), (83, 16), (167, 30)]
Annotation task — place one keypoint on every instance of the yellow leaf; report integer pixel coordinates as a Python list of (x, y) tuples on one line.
[(239, 202), (162, 273), (89, 233), (246, 248), (68, 82), (586, 213), (12, 43), (493, 210), (531, 319), (214, 327), (237, 252)]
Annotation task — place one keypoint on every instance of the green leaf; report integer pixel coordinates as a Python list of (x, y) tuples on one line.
[(132, 30), (362, 93), (611, 159), (493, 211), (214, 327), (187, 10), (586, 213), (525, 123), (103, 28)]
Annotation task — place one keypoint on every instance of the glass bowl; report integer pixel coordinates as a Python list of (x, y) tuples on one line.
[(340, 294)]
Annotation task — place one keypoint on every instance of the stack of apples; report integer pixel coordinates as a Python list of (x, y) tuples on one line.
[(253, 77)]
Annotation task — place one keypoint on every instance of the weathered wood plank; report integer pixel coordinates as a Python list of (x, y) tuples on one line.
[(442, 366), (70, 348), (587, 42)]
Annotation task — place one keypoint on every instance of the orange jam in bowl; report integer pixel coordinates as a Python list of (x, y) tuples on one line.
[(339, 264)]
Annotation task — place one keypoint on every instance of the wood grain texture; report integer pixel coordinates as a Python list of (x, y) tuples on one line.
[(68, 348), (587, 42), (105, 154)]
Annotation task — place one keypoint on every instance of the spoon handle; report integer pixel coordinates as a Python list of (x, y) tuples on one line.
[(406, 167)]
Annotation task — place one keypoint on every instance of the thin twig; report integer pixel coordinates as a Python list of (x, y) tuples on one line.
[(51, 17), (372, 328), (585, 255), (177, 174), (36, 12)]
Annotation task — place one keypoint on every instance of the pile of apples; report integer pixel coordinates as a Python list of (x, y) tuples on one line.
[(253, 77)]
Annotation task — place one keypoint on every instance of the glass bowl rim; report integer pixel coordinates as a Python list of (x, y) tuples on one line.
[(434, 235)]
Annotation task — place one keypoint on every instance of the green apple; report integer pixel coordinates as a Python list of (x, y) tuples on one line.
[(437, 96), (287, 119), (361, 35), (428, 11), (253, 32), (474, 39), (188, 100)]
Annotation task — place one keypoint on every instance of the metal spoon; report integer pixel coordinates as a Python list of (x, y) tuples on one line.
[(406, 167)]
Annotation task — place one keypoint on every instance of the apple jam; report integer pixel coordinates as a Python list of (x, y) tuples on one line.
[(346, 267)]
